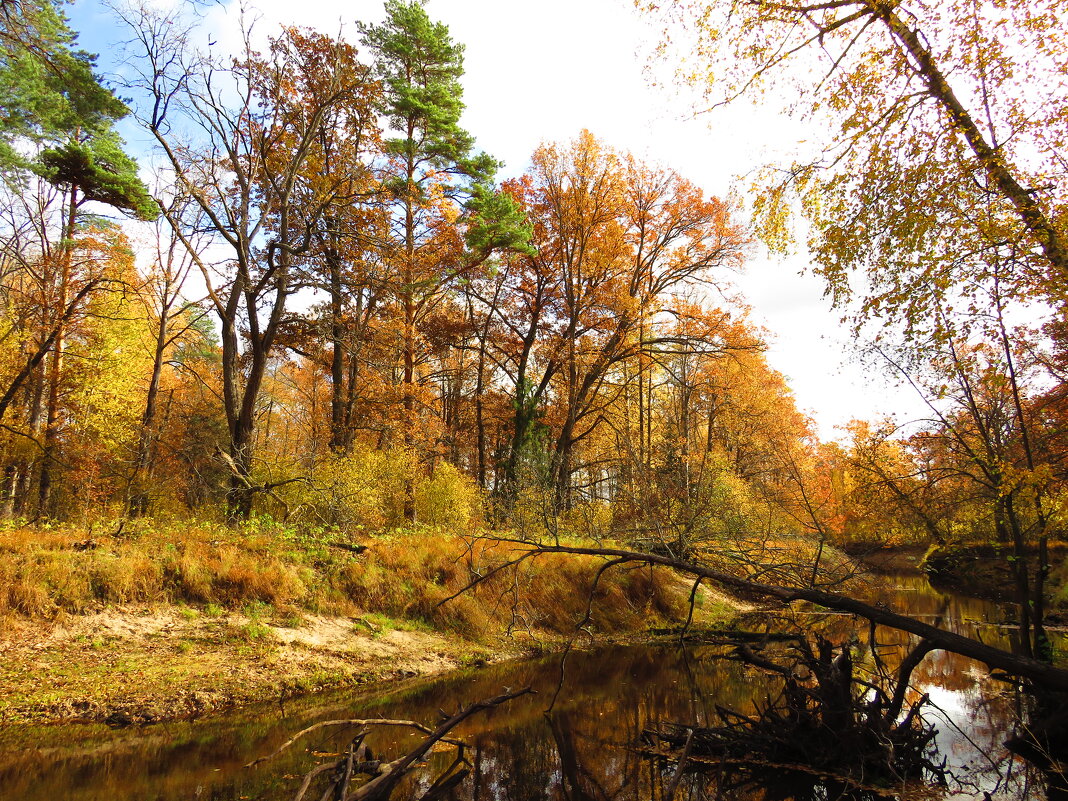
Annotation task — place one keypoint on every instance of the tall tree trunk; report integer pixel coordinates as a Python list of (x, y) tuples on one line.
[(241, 392), (138, 500), (1005, 519), (1042, 647), (11, 476), (408, 378), (643, 446), (480, 422), (527, 400), (55, 373), (35, 403), (339, 428), (240, 496), (564, 463)]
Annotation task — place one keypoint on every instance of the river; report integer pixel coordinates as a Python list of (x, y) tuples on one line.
[(582, 746)]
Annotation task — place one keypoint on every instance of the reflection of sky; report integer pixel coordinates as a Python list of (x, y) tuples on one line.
[(973, 713), (582, 750)]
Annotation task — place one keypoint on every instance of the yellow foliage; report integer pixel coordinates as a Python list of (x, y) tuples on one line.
[(365, 491), (448, 499), (350, 490)]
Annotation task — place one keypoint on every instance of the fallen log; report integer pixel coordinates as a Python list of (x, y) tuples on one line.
[(1042, 674)]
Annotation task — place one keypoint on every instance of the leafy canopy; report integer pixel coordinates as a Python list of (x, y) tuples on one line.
[(944, 128), (56, 117)]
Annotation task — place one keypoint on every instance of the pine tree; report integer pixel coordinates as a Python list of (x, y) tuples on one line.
[(436, 174)]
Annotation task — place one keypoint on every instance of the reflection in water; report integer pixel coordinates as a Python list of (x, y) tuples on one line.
[(826, 733), (356, 773), (582, 751)]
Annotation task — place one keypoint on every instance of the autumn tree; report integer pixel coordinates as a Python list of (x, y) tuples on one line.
[(622, 236), (899, 487), (938, 200), (677, 485), (88, 399), (941, 117), (447, 219), (243, 139), (171, 318), (58, 121), (346, 258)]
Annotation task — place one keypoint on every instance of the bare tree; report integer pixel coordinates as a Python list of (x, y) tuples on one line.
[(172, 316), (243, 138)]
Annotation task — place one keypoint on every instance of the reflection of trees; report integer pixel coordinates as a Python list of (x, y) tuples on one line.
[(608, 697), (579, 782), (356, 773), (827, 733)]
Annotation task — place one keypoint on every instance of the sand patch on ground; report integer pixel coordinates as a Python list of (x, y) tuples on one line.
[(130, 665)]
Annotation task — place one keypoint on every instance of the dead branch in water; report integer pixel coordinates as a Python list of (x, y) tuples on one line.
[(825, 730), (383, 777)]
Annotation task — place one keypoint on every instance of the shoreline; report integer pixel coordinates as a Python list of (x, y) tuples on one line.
[(141, 666), (123, 666), (879, 559), (179, 623)]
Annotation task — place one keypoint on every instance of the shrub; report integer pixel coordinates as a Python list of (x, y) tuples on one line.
[(448, 498), (364, 491)]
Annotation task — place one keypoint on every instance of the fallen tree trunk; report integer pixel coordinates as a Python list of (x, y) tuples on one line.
[(1040, 673)]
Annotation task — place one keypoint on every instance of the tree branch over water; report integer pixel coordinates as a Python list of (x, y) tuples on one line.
[(1040, 673), (383, 777)]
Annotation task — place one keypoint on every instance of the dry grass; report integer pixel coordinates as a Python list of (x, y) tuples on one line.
[(786, 559), (410, 575), (45, 573)]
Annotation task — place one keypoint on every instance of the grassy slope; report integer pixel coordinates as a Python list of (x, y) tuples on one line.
[(177, 621)]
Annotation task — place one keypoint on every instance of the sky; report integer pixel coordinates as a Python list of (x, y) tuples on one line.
[(544, 71)]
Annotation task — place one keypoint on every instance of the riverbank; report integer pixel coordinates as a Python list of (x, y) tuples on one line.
[(980, 571), (609, 696), (130, 665), (139, 666), (985, 570), (880, 559), (160, 625)]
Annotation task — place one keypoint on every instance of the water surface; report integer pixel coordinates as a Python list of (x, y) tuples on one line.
[(579, 747)]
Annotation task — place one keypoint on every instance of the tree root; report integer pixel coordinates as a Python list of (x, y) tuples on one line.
[(824, 730)]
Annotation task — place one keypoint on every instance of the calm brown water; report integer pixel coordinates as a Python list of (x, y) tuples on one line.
[(580, 750)]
